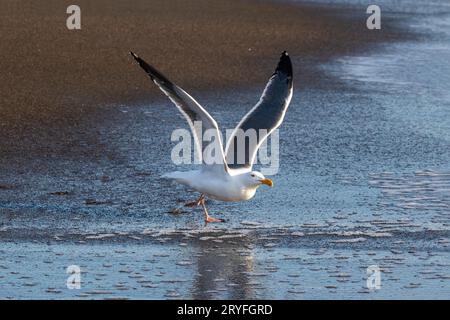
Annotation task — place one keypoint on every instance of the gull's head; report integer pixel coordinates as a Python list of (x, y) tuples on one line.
[(255, 178)]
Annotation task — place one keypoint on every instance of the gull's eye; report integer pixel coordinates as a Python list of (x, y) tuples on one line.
[(252, 175)]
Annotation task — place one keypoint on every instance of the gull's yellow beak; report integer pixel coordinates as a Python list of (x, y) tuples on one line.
[(267, 182)]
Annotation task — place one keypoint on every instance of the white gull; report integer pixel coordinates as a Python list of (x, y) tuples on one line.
[(217, 179)]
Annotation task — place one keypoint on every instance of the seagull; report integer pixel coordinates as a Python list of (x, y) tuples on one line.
[(219, 179)]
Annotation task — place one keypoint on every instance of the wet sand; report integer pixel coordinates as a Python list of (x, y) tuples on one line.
[(53, 80), (221, 266)]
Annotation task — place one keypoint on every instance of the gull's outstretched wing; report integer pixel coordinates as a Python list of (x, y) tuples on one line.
[(192, 111), (267, 114)]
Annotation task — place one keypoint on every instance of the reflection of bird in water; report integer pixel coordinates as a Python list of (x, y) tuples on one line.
[(233, 180), (229, 269)]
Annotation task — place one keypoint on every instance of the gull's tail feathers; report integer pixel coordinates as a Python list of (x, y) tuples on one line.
[(172, 175), (183, 177)]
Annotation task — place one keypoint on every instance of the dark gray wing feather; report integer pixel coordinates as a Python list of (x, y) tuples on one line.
[(190, 109), (267, 114)]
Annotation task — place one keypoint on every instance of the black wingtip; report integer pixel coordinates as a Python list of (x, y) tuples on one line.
[(142, 64), (134, 55), (154, 74), (285, 65)]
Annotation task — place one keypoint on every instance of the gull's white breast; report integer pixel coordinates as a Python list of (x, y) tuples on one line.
[(223, 187)]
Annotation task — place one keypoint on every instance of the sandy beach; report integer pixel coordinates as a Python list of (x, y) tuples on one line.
[(53, 79)]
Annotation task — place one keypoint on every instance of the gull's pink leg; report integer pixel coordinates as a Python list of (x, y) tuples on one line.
[(196, 202), (208, 218)]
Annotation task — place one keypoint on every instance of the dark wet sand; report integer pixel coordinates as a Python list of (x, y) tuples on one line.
[(54, 79)]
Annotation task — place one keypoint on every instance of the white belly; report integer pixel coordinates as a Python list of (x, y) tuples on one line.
[(229, 195), (226, 188)]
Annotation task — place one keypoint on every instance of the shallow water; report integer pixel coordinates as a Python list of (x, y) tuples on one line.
[(364, 180)]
